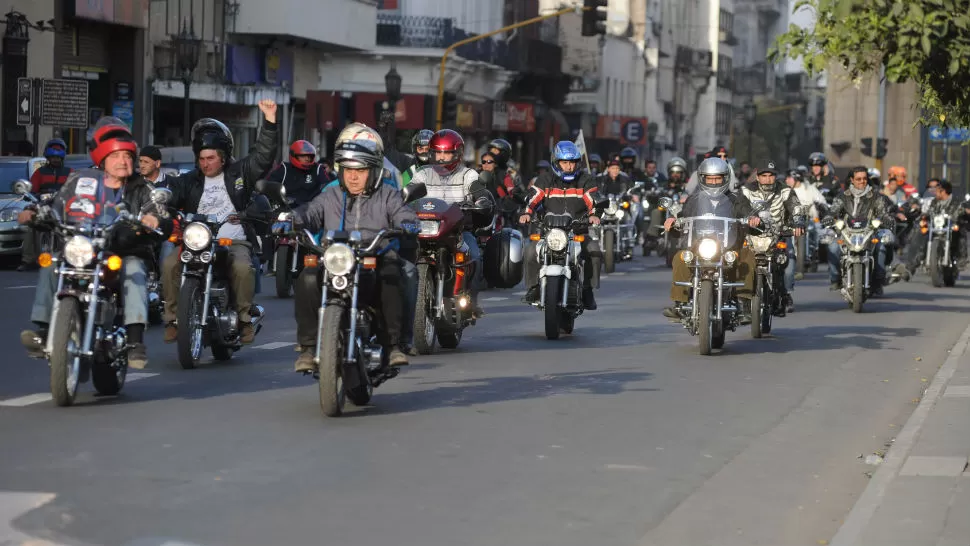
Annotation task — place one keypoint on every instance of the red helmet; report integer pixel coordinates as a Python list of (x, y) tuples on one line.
[(110, 135), (303, 148), (446, 140)]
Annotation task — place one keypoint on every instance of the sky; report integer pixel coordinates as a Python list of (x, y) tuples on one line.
[(804, 18)]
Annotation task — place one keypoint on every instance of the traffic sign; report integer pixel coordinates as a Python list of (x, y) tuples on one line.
[(64, 103), (633, 131), (25, 102), (939, 134)]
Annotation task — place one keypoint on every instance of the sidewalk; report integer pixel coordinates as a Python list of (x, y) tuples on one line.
[(920, 494)]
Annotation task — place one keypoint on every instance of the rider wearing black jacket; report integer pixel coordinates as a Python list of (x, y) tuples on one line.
[(302, 176), (565, 189)]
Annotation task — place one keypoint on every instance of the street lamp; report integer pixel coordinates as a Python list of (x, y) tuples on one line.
[(392, 85), (188, 48), (750, 115), (652, 130)]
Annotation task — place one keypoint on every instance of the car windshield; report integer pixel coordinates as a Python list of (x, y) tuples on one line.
[(10, 172)]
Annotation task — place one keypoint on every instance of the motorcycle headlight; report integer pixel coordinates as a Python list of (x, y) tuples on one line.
[(857, 241), (939, 222), (79, 251), (338, 259), (876, 222), (557, 240), (612, 208), (707, 249), (197, 236), (430, 227), (619, 215), (760, 244)]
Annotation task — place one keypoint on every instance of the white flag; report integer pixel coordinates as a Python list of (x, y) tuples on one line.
[(581, 144)]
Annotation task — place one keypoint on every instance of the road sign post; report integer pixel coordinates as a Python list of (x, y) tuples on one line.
[(35, 114), (25, 101)]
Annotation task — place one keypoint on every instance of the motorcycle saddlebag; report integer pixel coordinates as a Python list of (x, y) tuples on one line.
[(503, 258)]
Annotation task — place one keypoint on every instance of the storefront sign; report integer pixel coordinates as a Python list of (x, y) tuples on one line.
[(500, 116), (466, 116), (521, 117)]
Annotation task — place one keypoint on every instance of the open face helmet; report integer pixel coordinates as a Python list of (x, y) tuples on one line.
[(110, 135)]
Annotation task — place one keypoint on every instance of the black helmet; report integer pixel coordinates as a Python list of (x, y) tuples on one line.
[(817, 158), (504, 151), (595, 158), (212, 134), (421, 138), (628, 153)]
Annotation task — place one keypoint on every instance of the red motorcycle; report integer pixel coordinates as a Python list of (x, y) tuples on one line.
[(445, 272)]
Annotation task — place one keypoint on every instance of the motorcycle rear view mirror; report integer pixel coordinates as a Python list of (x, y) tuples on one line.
[(273, 190), (161, 196), (601, 201), (21, 187), (414, 191), (666, 202)]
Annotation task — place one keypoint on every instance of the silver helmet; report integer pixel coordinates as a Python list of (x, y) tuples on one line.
[(713, 166), (677, 164)]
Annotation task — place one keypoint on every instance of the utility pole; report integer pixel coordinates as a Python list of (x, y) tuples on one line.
[(881, 117)]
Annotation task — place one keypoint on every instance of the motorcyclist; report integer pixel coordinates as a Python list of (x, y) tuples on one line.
[(113, 182), (360, 202), (785, 211), (614, 181), (817, 176), (652, 174), (720, 152), (47, 179), (931, 185), (302, 176), (875, 178), (595, 164), (222, 187), (676, 176), (628, 164), (943, 203), (420, 155), (566, 189), (453, 182), (713, 175), (150, 166), (898, 174), (859, 200), (813, 204)]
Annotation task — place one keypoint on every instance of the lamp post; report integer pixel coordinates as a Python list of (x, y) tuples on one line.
[(652, 130), (392, 85), (188, 48), (789, 129), (750, 115), (15, 39)]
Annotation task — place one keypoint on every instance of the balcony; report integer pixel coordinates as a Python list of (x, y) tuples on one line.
[(336, 25)]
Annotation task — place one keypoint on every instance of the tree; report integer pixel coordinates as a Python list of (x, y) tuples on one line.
[(926, 41)]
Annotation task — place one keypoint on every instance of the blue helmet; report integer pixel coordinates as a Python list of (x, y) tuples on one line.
[(565, 151), (55, 147)]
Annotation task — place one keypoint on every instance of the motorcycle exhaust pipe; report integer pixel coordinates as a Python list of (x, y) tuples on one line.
[(256, 318)]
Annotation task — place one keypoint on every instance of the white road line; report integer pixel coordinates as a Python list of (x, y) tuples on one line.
[(21, 287), (496, 298), (275, 345), (42, 397)]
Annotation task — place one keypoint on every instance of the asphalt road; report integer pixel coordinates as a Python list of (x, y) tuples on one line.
[(617, 435)]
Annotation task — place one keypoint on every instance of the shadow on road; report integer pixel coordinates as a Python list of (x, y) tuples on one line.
[(487, 390), (821, 338)]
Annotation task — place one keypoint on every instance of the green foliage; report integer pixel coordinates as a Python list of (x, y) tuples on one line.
[(925, 41)]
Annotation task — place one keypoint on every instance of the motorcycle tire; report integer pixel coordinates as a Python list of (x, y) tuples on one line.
[(717, 340), (425, 313), (705, 319), (767, 311), (858, 287), (284, 277), (107, 380), (450, 340), (330, 383), (936, 268), (191, 335), (553, 297), (756, 310), (801, 253), (609, 251), (65, 369), (950, 275), (221, 352)]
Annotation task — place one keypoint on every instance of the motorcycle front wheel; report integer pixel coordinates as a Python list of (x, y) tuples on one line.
[(609, 250), (553, 297), (426, 311), (858, 287), (189, 319), (65, 366), (705, 316), (284, 277), (936, 266), (333, 348)]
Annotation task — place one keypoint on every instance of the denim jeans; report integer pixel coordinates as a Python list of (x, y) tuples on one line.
[(410, 300), (134, 292), (476, 257), (790, 268), (168, 247), (879, 267)]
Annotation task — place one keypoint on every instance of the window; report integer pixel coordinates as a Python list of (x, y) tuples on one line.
[(722, 118), (724, 72), (726, 21)]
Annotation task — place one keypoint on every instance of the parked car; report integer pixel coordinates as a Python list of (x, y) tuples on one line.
[(11, 233), (177, 160)]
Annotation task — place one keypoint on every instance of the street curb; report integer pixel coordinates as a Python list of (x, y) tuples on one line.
[(870, 500)]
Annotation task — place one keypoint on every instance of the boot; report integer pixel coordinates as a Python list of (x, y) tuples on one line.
[(247, 334), (672, 313), (171, 333), (137, 356), (34, 341), (398, 357), (304, 362), (589, 300), (531, 295)]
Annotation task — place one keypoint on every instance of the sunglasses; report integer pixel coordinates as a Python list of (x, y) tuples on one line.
[(487, 161)]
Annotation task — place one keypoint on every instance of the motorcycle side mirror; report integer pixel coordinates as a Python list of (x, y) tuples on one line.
[(21, 187), (273, 190), (601, 201), (161, 196), (666, 202), (414, 191)]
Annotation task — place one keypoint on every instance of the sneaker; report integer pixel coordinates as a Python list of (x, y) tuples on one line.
[(789, 303), (247, 334), (876, 289), (589, 300), (34, 341), (137, 356), (398, 358), (531, 295), (799, 276), (171, 333), (304, 362)]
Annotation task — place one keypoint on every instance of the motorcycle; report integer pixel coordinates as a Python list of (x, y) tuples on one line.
[(287, 261), (558, 248), (671, 206), (858, 238), (445, 273), (87, 336), (207, 314), (941, 255), (771, 258), (618, 228)]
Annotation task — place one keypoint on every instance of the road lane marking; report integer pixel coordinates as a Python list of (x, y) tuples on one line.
[(957, 391), (21, 287), (42, 397), (275, 345), (496, 298)]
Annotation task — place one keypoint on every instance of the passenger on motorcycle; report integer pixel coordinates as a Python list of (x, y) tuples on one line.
[(47, 179), (80, 199), (565, 189), (817, 176), (451, 181), (222, 187), (943, 203), (713, 174), (360, 202), (420, 155), (860, 200), (302, 176), (786, 211)]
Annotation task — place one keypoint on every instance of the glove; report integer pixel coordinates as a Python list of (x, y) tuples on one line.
[(411, 228)]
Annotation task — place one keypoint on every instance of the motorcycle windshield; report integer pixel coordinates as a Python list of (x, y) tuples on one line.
[(90, 202), (561, 221), (714, 220)]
